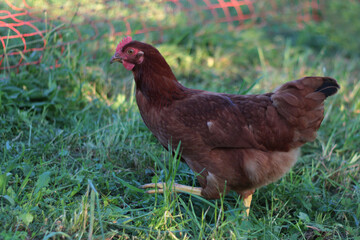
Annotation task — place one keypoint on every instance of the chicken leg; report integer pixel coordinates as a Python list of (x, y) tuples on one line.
[(187, 189), (247, 203)]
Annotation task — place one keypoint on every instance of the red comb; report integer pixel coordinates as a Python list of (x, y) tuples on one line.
[(123, 42)]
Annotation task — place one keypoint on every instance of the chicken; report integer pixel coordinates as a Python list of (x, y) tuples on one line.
[(233, 142)]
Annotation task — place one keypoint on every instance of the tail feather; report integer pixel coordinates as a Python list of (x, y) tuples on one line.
[(329, 87), (300, 102)]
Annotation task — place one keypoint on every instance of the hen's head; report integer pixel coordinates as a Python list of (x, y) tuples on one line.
[(142, 59), (130, 53)]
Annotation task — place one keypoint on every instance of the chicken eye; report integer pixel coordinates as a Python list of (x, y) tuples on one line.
[(130, 51)]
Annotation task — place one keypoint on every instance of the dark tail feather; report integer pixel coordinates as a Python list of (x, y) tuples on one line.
[(329, 87)]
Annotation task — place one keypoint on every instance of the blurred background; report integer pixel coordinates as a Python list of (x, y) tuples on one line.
[(229, 39), (74, 148)]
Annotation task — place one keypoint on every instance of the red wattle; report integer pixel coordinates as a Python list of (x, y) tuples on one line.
[(128, 66)]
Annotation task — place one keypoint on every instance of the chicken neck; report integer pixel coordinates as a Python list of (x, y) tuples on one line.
[(158, 84)]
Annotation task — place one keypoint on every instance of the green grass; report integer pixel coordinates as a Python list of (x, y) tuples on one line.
[(74, 149)]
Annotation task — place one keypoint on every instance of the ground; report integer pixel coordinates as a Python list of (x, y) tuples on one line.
[(74, 149)]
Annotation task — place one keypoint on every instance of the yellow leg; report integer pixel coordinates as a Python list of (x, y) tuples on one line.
[(175, 187), (247, 203)]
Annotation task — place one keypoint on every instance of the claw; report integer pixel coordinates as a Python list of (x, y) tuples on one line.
[(153, 185), (159, 188)]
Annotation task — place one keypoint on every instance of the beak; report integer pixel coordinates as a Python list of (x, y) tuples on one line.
[(115, 59)]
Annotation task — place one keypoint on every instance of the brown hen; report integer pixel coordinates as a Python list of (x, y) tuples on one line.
[(234, 142)]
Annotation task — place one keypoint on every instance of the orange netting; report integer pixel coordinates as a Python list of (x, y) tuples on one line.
[(25, 31)]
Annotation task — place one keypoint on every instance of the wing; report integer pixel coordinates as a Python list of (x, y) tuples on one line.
[(235, 121)]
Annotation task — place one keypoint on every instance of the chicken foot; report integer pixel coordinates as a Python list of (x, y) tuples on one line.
[(175, 187)]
